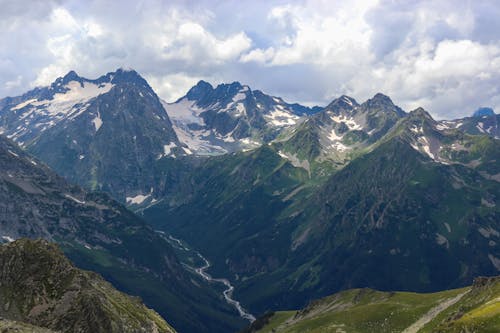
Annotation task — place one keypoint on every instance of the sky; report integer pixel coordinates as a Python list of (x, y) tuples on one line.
[(441, 55)]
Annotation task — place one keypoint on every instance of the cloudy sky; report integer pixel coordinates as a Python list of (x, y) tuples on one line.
[(442, 55)]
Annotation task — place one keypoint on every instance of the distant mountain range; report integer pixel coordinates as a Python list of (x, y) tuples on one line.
[(290, 202)]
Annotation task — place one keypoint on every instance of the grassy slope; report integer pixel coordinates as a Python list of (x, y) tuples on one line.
[(366, 310), (41, 286), (9, 326)]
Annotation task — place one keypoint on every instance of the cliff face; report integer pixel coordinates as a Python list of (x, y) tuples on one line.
[(40, 286)]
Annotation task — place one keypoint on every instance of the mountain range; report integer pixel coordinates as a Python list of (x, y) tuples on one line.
[(309, 200)]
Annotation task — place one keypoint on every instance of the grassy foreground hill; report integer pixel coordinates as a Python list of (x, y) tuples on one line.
[(40, 286), (471, 309)]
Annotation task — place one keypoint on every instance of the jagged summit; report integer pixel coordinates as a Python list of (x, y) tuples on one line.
[(126, 76), (70, 76), (344, 102), (420, 113), (119, 76), (198, 91), (231, 117), (93, 123), (379, 99)]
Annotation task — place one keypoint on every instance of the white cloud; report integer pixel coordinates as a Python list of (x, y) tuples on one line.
[(171, 87), (441, 55), (337, 36)]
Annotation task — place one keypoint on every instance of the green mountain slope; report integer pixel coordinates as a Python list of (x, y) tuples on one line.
[(40, 286), (99, 234), (9, 326), (418, 210), (471, 309), (237, 195)]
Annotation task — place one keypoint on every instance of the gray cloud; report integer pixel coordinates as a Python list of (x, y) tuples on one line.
[(442, 55)]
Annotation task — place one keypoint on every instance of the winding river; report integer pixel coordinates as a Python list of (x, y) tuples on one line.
[(202, 271), (228, 293)]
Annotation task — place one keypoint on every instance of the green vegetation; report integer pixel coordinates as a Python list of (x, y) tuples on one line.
[(291, 235), (40, 286), (473, 309)]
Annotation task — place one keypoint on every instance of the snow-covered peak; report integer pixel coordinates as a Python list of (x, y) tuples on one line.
[(63, 102), (230, 117), (24, 118)]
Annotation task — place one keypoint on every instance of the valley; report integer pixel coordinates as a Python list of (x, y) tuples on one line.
[(280, 203), (299, 166), (189, 255)]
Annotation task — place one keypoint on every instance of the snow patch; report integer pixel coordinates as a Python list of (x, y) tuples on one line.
[(184, 112), (280, 117), (296, 162), (488, 232), (248, 141), (240, 110), (97, 122), (494, 261), (347, 100), (239, 96), (334, 137), (138, 199), (480, 128), (441, 240), (8, 238), (12, 153), (416, 129), (74, 199), (350, 122), (442, 126), (339, 146), (62, 103), (167, 148), (426, 147), (23, 104), (39, 115)]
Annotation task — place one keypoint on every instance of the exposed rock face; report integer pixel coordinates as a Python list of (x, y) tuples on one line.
[(103, 134), (40, 286)]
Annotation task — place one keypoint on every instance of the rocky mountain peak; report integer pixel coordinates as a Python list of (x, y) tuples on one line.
[(71, 76), (380, 99), (199, 91), (420, 113), (483, 112), (381, 102), (343, 103), (230, 90), (128, 76)]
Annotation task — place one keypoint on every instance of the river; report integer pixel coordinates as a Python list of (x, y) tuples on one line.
[(202, 271)]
